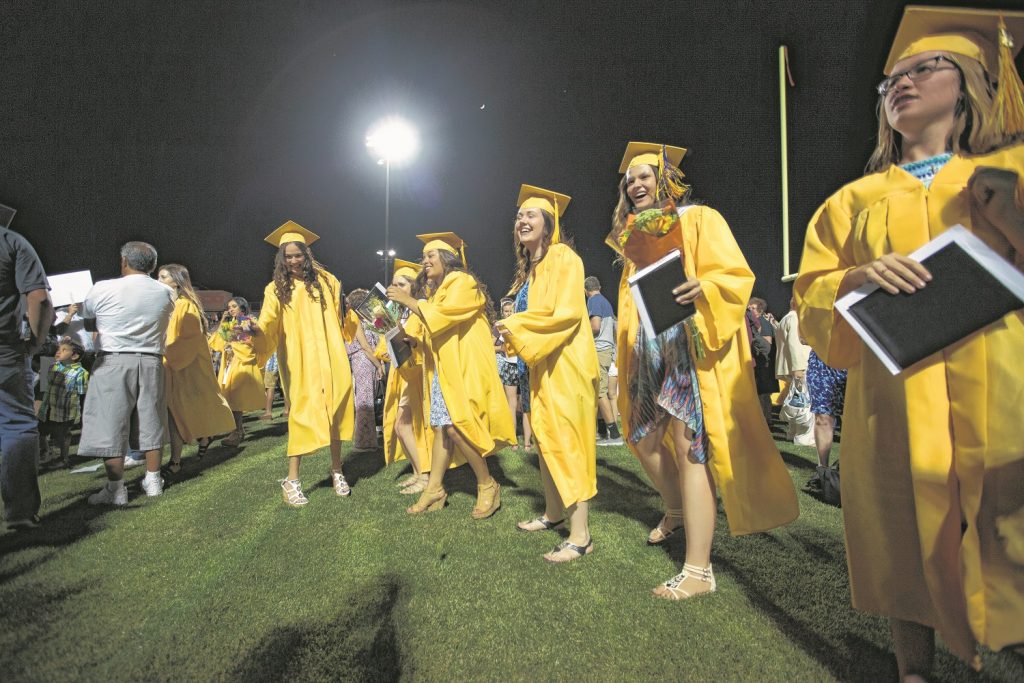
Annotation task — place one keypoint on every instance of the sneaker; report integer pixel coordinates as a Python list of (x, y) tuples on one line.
[(108, 496), (602, 441), (611, 441), (153, 487), (21, 524)]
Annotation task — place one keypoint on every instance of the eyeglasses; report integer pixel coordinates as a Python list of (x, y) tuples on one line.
[(920, 72)]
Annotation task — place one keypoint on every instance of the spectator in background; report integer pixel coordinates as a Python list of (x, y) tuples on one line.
[(270, 375), (367, 370), (828, 389), (70, 323), (791, 367), (62, 403), (23, 292), (508, 370), (762, 336), (602, 324), (126, 404)]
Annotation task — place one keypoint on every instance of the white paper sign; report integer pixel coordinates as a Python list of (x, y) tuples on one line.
[(69, 288)]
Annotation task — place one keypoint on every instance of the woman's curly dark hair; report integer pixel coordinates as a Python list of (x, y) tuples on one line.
[(451, 262), (283, 281)]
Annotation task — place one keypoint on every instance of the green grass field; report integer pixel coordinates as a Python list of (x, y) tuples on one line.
[(218, 580)]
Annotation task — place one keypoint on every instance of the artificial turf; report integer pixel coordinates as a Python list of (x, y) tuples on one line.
[(218, 580)]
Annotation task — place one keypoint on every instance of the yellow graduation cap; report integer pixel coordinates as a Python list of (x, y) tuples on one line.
[(291, 232), (650, 153), (532, 197), (407, 268), (444, 241), (991, 37)]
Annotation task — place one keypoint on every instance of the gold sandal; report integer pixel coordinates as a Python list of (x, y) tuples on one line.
[(430, 501), (488, 500), (418, 485)]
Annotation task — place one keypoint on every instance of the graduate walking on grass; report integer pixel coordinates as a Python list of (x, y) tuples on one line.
[(933, 467), (550, 331), (467, 407), (196, 407), (407, 434), (689, 407), (240, 376), (301, 320)]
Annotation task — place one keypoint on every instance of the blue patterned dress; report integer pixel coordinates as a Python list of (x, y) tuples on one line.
[(663, 383)]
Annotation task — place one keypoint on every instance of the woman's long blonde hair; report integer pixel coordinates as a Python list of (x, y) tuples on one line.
[(179, 274), (975, 129)]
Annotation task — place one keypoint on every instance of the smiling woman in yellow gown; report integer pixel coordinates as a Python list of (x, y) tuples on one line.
[(932, 457), (467, 406), (689, 406), (551, 332), (301, 320)]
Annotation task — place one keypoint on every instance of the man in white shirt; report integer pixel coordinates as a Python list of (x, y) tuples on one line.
[(125, 404)]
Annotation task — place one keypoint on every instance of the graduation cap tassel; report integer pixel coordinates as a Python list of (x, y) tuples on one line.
[(1010, 95), (667, 187)]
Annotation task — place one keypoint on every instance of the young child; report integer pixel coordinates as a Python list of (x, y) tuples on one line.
[(61, 407)]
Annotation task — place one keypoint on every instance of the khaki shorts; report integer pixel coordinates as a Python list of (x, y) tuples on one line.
[(604, 361), (269, 380), (125, 406)]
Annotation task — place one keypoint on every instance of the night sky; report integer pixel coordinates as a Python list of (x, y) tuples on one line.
[(202, 126)]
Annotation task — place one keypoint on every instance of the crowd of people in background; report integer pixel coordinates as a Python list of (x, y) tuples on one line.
[(933, 466)]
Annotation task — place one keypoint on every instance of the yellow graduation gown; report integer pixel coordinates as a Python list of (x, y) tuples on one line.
[(405, 387), (755, 486), (313, 363), (240, 376), (193, 397), (554, 338), (937, 445), (461, 354)]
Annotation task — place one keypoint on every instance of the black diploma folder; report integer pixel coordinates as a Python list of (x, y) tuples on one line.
[(968, 291), (652, 291)]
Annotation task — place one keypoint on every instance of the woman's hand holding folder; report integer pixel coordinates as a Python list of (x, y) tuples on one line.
[(891, 272), (688, 292)]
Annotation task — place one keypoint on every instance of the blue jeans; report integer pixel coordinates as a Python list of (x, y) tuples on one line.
[(19, 444)]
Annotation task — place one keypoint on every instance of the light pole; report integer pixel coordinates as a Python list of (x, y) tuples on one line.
[(392, 141)]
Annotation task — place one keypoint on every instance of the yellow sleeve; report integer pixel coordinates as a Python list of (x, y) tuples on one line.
[(381, 352), (184, 333), (457, 300), (349, 326), (217, 342), (555, 313), (725, 279), (265, 341), (827, 257)]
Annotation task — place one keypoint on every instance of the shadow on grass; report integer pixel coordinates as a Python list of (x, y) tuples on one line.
[(59, 529), (359, 644)]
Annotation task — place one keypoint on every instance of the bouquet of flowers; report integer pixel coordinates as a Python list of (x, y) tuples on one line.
[(240, 329), (651, 234)]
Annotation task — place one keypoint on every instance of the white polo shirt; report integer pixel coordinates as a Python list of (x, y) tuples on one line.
[(131, 312)]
